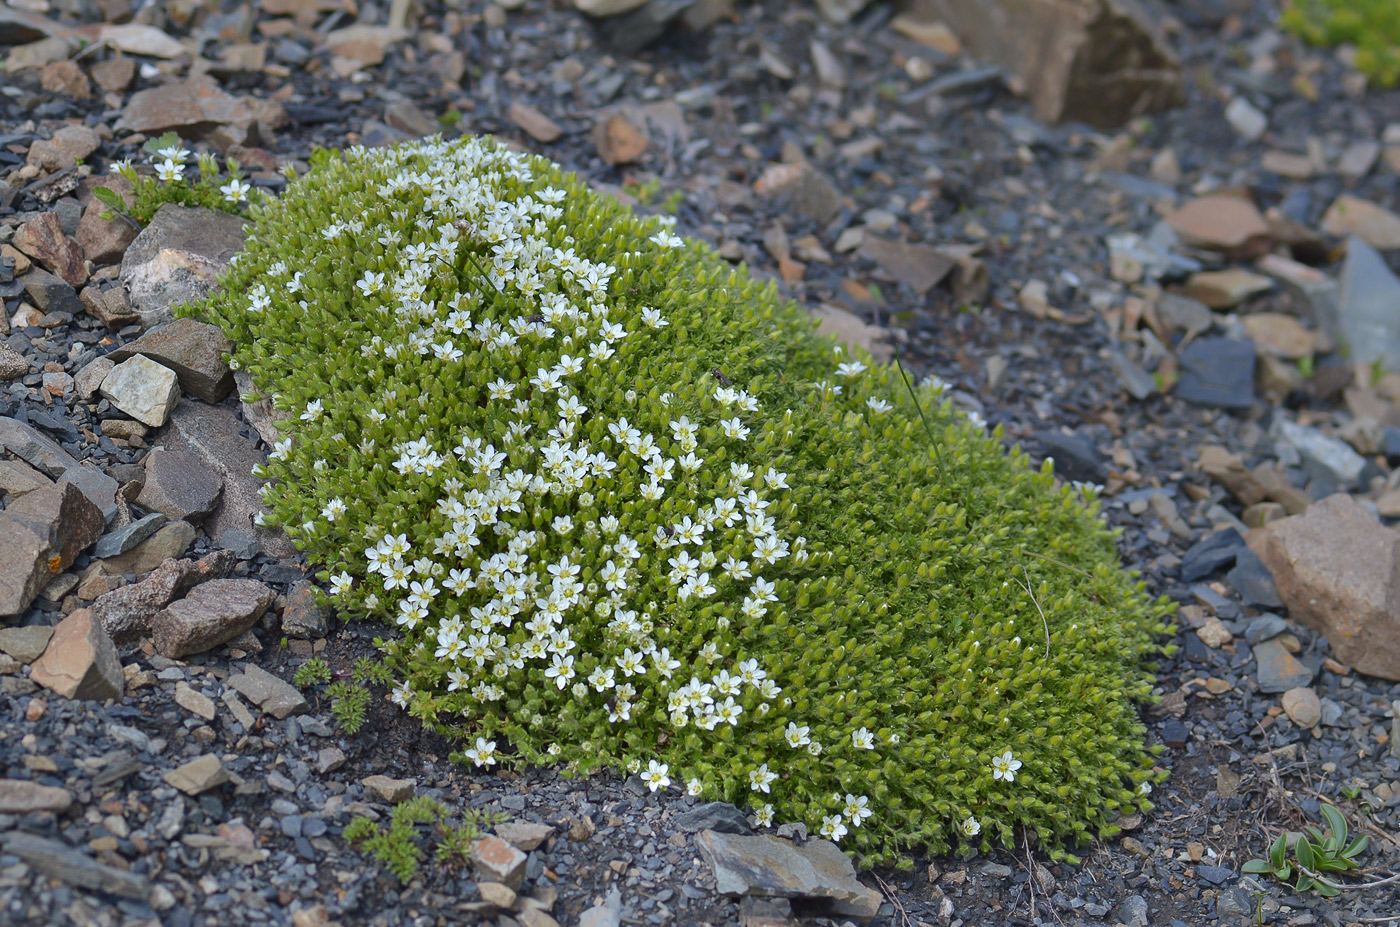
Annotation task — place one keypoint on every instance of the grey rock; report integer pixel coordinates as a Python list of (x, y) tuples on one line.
[(1217, 372), (172, 540), (89, 379), (269, 693), (718, 816), (242, 544), (1322, 455), (27, 643), (12, 365), (1264, 628), (1076, 457), (1331, 713), (38, 450), (1368, 320), (199, 775), (1246, 119), (1132, 911), (1234, 902), (18, 478), (607, 914), (128, 536), (74, 867), (524, 835), (303, 618), (1253, 581), (99, 488), (143, 389), (1277, 669), (630, 32), (111, 307), (72, 518), (24, 570), (20, 796), (180, 484), (126, 613), (1138, 382), (817, 872), (1215, 875), (50, 292), (194, 350), (179, 257), (212, 613)]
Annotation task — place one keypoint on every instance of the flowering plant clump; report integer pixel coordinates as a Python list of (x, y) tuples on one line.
[(173, 182), (628, 510)]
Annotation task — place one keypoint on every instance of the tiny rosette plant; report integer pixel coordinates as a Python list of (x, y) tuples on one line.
[(1314, 855), (627, 509)]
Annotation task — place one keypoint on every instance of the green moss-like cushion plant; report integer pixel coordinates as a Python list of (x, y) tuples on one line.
[(629, 510), (1373, 26)]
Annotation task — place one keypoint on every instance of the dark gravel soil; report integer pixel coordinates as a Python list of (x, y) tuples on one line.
[(920, 158)]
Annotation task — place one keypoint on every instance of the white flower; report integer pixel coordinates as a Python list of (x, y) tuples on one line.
[(1145, 788), (483, 754), (862, 739), (170, 172), (341, 583), (333, 509), (761, 778), (850, 370), (733, 428), (971, 827), (878, 406), (1005, 766), (764, 816), (652, 318), (693, 787), (857, 808), (833, 828), (797, 736), (235, 191), (314, 410), (655, 777), (667, 240)]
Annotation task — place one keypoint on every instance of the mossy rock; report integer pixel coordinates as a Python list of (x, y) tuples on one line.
[(629, 510)]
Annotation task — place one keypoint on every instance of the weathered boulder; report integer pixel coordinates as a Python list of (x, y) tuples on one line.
[(1098, 61), (80, 660), (1338, 570), (178, 258), (211, 614), (143, 389), (126, 612), (816, 872)]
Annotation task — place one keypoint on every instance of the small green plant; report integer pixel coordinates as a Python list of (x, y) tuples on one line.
[(399, 846), (1306, 367), (349, 704), (311, 672), (1373, 26), (368, 670), (171, 183), (644, 191), (1314, 856)]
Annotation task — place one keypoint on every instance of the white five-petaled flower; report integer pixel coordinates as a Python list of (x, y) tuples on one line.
[(862, 739), (1005, 766), (333, 509), (761, 778), (170, 172), (733, 428), (850, 370), (341, 583), (655, 777), (235, 191), (797, 736), (314, 410), (763, 817), (693, 787), (971, 827), (833, 828), (667, 240), (484, 753), (857, 808)]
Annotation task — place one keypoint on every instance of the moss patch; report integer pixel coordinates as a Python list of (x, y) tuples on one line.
[(628, 510), (1373, 26)]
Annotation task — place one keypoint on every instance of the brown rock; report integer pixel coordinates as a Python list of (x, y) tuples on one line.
[(211, 614), (523, 835), (1098, 61), (195, 104), (802, 189), (31, 560), (389, 790), (179, 257), (25, 644), (619, 140), (1375, 225), (303, 618), (43, 240), (1224, 289), (126, 613), (171, 540), (920, 267), (1303, 706), (179, 485), (67, 78), (1280, 335), (13, 365), (18, 478), (1338, 571), (498, 861), (20, 797), (75, 520), (361, 46), (848, 328), (535, 123), (138, 39), (114, 75), (22, 264), (104, 241), (80, 661), (111, 307), (198, 775), (927, 31), (194, 350), (1219, 222)]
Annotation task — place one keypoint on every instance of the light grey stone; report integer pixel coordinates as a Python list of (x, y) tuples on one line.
[(128, 536), (143, 389), (268, 692), (1368, 319), (817, 871), (74, 867), (179, 257)]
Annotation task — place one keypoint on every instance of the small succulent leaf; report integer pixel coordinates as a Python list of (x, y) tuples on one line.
[(1306, 856), (1277, 852), (1258, 866), (1337, 823), (1356, 847)]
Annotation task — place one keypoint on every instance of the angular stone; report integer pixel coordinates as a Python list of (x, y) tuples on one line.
[(37, 54), (1350, 215), (72, 866), (20, 797), (817, 872), (213, 433), (50, 292), (849, 328), (498, 861), (194, 701), (128, 536), (920, 267), (171, 541), (1219, 222), (1224, 289), (602, 8), (72, 518), (211, 614), (619, 140), (194, 350), (12, 364), (1322, 455), (100, 489), (389, 790), (43, 240), (1368, 317), (179, 258), (36, 449), (198, 775), (802, 189), (18, 478), (535, 123), (197, 103), (1214, 634), (524, 835), (66, 78), (180, 485), (1246, 119), (111, 307), (1097, 61), (30, 562), (1338, 570), (608, 913), (126, 613), (1217, 372), (143, 389), (303, 618), (113, 75), (80, 661), (25, 644), (89, 379), (329, 759), (137, 39), (69, 145), (718, 816), (104, 241), (1280, 335), (271, 694), (1303, 706)]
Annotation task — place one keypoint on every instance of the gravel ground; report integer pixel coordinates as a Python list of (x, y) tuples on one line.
[(935, 151)]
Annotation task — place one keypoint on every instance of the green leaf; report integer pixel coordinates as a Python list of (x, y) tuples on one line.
[(1304, 883), (109, 197), (1258, 866), (1277, 852), (168, 140), (1337, 823), (1327, 891), (1356, 847), (1304, 852)]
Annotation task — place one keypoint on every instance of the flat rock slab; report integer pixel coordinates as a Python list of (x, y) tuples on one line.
[(198, 775), (127, 612), (1336, 570), (36, 449), (179, 257), (718, 816), (390, 790), (171, 540), (212, 614), (194, 350), (523, 835), (30, 548), (1277, 670), (767, 866), (80, 661), (270, 693), (1217, 372), (128, 536), (20, 796), (74, 867), (303, 618), (180, 485), (25, 644), (1368, 315), (143, 389)]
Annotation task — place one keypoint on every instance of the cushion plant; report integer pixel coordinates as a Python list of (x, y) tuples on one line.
[(627, 509)]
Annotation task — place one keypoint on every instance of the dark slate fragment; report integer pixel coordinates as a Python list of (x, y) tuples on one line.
[(1253, 581), (1211, 553), (1076, 457), (718, 816), (1217, 372)]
